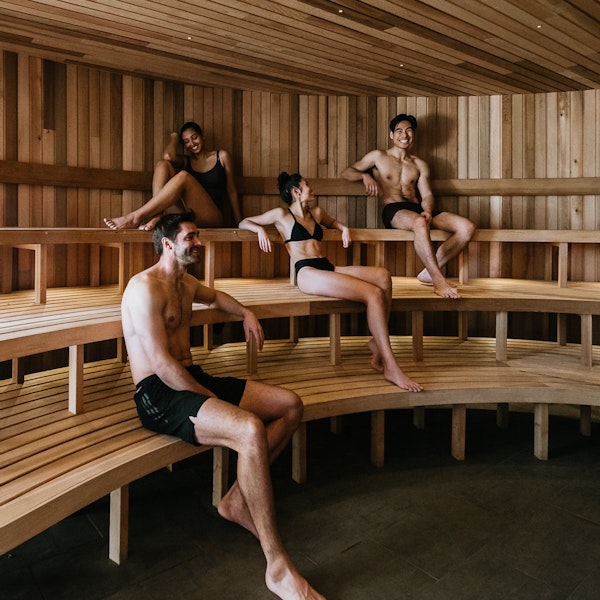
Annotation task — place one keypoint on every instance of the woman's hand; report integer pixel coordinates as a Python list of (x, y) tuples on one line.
[(345, 236), (264, 243)]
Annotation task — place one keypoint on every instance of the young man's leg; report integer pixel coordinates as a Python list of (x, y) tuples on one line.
[(411, 221), (461, 230), (281, 411), (222, 424)]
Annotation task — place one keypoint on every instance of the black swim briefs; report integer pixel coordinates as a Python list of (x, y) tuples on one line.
[(165, 410), (318, 263), (390, 210)]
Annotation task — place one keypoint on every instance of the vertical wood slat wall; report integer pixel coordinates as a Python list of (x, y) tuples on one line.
[(66, 114)]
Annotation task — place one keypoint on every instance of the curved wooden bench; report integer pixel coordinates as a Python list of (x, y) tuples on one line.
[(49, 483), (456, 374), (53, 463)]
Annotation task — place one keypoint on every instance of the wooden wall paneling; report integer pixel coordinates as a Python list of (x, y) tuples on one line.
[(94, 210), (160, 124), (148, 157), (207, 116), (529, 144), (48, 147), (355, 123), (116, 152), (323, 125), (462, 162), (84, 116), (552, 157), (385, 107), (108, 256), (309, 136), (564, 153), (541, 142), (517, 160), (576, 203), (60, 157), (135, 138), (252, 205), (25, 258), (591, 166)]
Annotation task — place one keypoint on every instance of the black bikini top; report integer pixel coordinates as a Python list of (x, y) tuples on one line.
[(300, 233)]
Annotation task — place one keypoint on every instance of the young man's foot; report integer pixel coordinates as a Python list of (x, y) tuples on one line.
[(286, 583), (233, 508)]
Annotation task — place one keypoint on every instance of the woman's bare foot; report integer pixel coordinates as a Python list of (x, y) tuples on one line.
[(376, 360), (151, 224), (124, 222), (397, 376), (233, 508), (284, 581)]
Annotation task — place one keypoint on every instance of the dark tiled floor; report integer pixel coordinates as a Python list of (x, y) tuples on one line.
[(501, 525)]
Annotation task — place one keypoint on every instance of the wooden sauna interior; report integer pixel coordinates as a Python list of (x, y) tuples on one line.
[(502, 90)]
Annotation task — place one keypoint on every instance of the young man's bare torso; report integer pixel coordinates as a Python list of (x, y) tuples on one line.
[(401, 181)]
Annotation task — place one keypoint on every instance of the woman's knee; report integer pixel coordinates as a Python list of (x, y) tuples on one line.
[(383, 278), (376, 295)]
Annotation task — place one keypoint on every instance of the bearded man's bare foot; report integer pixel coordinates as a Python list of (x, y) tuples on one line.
[(376, 360), (397, 376), (233, 508), (288, 584), (124, 222)]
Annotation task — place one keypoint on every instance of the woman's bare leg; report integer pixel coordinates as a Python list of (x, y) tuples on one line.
[(181, 193), (163, 171), (340, 284)]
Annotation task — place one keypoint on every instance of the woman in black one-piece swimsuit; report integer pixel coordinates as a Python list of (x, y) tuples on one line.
[(300, 227), (199, 182)]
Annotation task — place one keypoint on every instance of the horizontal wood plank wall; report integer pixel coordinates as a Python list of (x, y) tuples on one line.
[(69, 115)]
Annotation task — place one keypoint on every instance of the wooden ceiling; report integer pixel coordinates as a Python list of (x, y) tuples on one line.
[(347, 47)]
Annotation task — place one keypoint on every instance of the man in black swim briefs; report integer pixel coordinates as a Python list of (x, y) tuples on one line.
[(176, 397), (401, 181)]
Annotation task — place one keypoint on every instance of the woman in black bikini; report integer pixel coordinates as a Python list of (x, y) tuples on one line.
[(201, 182), (300, 227)]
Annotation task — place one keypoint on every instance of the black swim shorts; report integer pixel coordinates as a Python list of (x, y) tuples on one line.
[(390, 210), (165, 410), (318, 263)]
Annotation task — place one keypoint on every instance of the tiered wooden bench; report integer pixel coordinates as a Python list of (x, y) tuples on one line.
[(456, 374), (53, 463), (37, 493)]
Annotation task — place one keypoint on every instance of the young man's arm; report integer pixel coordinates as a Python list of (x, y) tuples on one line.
[(359, 171), (226, 303), (424, 187)]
